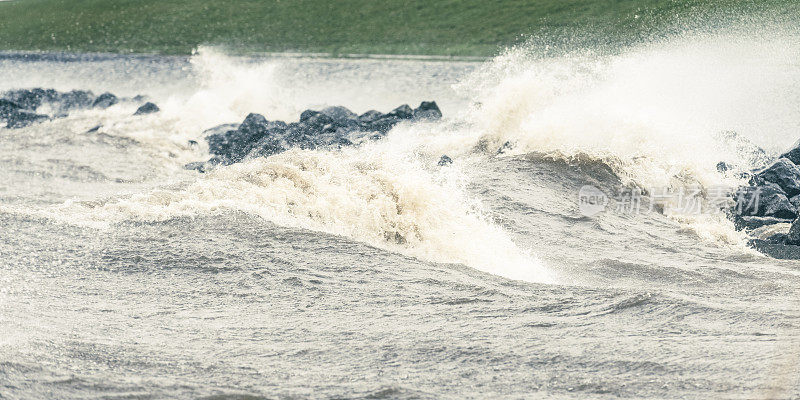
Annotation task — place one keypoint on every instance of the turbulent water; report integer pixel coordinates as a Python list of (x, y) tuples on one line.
[(123, 275)]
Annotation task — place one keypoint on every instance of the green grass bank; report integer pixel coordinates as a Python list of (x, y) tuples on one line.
[(422, 27)]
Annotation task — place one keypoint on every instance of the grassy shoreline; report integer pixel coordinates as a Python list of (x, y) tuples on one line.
[(62, 55), (470, 28)]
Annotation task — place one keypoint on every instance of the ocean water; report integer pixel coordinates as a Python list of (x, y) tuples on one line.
[(373, 272)]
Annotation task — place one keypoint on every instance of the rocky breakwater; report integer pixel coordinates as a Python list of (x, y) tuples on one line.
[(769, 206), (332, 127), (24, 107)]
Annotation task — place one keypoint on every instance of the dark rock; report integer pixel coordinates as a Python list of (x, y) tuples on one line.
[(445, 160), (773, 192), (8, 107), (333, 127), (427, 110), (316, 121), (61, 102), (773, 203), (402, 112), (795, 201), (95, 129), (76, 99), (234, 145), (383, 124), (723, 167), (783, 173), (193, 143), (22, 118), (793, 155), (749, 222), (778, 238), (23, 107), (505, 147), (308, 114), (14, 116), (794, 233), (767, 200), (370, 116), (147, 108), (253, 123), (340, 115), (219, 143), (105, 100), (779, 251), (270, 145), (31, 99)]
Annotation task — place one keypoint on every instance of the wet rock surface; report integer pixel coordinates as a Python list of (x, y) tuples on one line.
[(332, 127), (769, 204), (23, 107), (147, 108), (105, 100)]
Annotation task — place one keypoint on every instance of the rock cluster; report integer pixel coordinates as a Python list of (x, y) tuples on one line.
[(20, 108), (768, 208), (332, 127), (15, 116)]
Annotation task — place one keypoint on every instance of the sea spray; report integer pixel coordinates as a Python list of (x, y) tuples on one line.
[(370, 194), (644, 113), (653, 111)]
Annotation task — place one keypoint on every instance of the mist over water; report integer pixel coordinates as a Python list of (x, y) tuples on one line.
[(372, 271)]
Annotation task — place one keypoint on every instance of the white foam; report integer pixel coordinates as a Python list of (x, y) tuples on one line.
[(372, 194), (652, 112), (229, 89)]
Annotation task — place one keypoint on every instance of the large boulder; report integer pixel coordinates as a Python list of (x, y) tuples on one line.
[(427, 110), (784, 173), (767, 200), (105, 100), (147, 108), (315, 120), (385, 122), (369, 116), (793, 237), (76, 99), (340, 115), (402, 112)]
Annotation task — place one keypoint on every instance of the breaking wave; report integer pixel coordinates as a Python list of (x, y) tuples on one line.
[(653, 114)]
